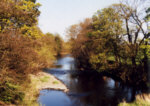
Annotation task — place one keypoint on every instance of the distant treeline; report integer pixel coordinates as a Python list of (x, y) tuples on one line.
[(116, 40)]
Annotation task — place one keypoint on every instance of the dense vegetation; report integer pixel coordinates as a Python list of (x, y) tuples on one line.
[(24, 49), (115, 41)]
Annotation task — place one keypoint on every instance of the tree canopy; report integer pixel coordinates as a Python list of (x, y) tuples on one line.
[(17, 14), (116, 37)]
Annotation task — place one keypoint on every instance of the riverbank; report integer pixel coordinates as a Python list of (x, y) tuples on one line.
[(141, 100), (40, 81)]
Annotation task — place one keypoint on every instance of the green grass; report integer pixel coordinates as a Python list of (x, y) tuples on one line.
[(45, 79), (55, 82), (11, 93), (137, 102)]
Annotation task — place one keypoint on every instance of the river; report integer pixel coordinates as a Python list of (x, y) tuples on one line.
[(84, 89)]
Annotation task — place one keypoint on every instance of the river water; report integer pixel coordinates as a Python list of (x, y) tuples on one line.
[(84, 89)]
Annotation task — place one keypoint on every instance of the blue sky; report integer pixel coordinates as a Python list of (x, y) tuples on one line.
[(57, 15)]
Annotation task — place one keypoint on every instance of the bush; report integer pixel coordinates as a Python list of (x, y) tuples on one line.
[(18, 59), (10, 93)]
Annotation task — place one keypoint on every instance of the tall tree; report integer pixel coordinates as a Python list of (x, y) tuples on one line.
[(59, 43), (15, 14), (78, 34), (133, 16), (107, 27)]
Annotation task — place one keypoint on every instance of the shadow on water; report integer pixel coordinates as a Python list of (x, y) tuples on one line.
[(85, 89)]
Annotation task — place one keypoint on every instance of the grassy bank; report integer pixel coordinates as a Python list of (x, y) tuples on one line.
[(20, 57), (41, 81), (24, 51), (31, 90), (141, 100)]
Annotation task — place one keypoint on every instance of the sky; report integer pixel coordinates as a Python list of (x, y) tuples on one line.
[(57, 15)]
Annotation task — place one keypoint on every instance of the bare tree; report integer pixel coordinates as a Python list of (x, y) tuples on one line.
[(133, 13)]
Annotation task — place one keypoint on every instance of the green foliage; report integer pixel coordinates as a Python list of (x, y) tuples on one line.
[(55, 82), (107, 23), (10, 94), (32, 32), (110, 42), (16, 15), (48, 48), (99, 61), (58, 42), (21, 56), (45, 79), (99, 39), (17, 55), (148, 14), (147, 48), (32, 1), (24, 49)]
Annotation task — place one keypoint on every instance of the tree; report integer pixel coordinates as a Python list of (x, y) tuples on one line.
[(107, 27), (32, 32), (116, 41), (32, 1), (148, 14), (78, 34), (148, 19), (133, 16), (58, 42), (15, 14)]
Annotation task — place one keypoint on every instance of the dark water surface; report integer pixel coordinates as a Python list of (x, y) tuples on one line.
[(85, 89)]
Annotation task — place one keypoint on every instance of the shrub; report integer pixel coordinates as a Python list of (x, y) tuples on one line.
[(18, 59)]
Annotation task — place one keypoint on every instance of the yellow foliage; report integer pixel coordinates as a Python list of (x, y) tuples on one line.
[(17, 14), (33, 32)]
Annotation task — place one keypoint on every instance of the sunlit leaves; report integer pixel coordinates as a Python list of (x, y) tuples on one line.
[(20, 14), (33, 32)]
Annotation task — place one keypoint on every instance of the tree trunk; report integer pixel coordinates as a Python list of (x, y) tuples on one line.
[(148, 65), (116, 60), (145, 60), (133, 62)]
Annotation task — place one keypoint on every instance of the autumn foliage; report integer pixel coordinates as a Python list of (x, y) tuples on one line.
[(24, 49), (115, 41)]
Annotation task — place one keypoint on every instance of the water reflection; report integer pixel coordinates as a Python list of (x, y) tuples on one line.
[(67, 63), (85, 89), (54, 98)]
